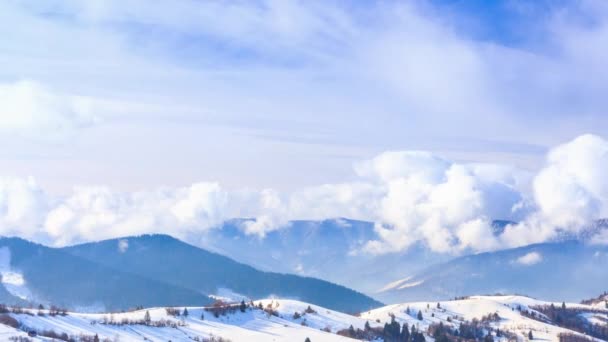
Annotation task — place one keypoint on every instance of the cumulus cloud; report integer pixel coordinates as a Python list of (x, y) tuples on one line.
[(30, 109), (570, 192), (530, 259), (443, 204)]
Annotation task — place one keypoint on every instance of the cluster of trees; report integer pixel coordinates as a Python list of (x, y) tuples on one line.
[(175, 312), (16, 309), (367, 334), (475, 330), (146, 320), (309, 310), (391, 332), (52, 334), (570, 318), (601, 298), (220, 308), (570, 337)]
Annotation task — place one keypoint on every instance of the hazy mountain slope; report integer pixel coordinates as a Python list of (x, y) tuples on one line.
[(569, 270), (318, 249), (166, 259), (60, 278)]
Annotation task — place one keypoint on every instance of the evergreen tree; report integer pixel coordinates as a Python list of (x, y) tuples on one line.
[(419, 316), (367, 327), (530, 336), (351, 331), (407, 311), (243, 306), (185, 313), (147, 318), (95, 338), (202, 316), (563, 305), (488, 338), (307, 340), (405, 333)]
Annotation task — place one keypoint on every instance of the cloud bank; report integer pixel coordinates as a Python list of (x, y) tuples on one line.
[(412, 196)]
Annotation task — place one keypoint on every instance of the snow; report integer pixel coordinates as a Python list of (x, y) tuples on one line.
[(12, 280), (475, 307), (401, 284), (252, 325), (257, 325), (228, 296)]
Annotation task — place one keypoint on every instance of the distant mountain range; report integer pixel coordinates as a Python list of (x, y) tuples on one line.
[(328, 249), (150, 270), (566, 270), (158, 270), (320, 248)]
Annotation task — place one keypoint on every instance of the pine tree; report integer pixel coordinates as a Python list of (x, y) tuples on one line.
[(438, 305), (147, 318), (407, 311), (405, 333), (95, 338), (419, 316), (202, 316), (351, 331), (185, 313), (367, 327), (307, 340), (243, 306), (563, 305), (530, 336)]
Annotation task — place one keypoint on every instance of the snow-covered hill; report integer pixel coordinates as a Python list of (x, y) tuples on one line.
[(511, 317)]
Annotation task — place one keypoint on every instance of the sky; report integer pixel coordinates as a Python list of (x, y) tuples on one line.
[(172, 116)]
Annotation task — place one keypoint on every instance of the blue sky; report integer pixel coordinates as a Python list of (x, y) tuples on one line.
[(133, 96)]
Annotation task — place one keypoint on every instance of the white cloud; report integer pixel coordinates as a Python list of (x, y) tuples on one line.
[(444, 204), (570, 192), (530, 259), (413, 197), (30, 109)]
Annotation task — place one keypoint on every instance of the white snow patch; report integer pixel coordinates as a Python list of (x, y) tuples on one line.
[(412, 284), (401, 284), (123, 245), (228, 296), (12, 280), (395, 284)]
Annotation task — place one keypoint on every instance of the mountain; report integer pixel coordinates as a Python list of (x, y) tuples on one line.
[(41, 274), (496, 318), (540, 270), (165, 259), (318, 249)]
